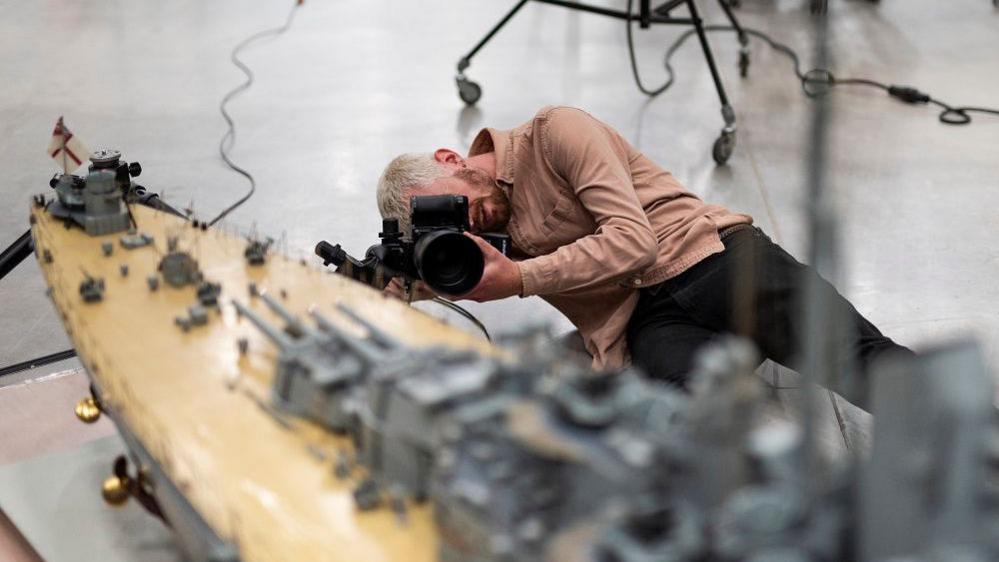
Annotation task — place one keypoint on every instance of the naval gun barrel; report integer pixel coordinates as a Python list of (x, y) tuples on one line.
[(277, 336)]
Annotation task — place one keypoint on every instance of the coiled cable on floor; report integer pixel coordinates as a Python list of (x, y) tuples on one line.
[(229, 138), (815, 82), (634, 63)]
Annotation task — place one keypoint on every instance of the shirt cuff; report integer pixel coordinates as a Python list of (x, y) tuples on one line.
[(536, 276)]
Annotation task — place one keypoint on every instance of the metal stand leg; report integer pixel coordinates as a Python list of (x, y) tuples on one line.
[(469, 91), (9, 259), (723, 147), (15, 253)]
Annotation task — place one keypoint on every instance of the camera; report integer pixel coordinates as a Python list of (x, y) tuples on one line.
[(436, 251)]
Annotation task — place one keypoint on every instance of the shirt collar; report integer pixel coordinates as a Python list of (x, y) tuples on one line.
[(501, 143)]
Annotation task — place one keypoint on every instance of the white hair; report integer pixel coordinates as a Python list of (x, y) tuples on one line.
[(406, 172)]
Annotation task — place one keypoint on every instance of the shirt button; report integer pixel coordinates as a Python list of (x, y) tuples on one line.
[(636, 281)]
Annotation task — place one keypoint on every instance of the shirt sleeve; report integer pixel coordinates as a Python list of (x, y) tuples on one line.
[(581, 151)]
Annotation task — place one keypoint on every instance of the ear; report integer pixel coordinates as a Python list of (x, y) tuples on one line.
[(449, 157)]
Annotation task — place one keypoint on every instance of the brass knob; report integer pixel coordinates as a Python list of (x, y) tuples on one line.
[(87, 410), (115, 490)]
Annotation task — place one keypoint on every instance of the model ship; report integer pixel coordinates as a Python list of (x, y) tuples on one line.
[(274, 411)]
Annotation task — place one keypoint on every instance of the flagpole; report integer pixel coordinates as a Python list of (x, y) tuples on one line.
[(62, 131)]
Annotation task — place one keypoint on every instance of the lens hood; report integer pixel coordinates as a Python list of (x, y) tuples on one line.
[(448, 261)]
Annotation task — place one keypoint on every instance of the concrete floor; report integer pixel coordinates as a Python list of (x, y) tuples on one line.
[(354, 83)]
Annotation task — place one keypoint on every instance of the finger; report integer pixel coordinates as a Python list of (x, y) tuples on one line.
[(395, 289)]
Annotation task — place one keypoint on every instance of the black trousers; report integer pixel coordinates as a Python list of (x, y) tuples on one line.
[(753, 288)]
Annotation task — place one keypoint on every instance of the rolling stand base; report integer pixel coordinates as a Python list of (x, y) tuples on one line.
[(470, 92)]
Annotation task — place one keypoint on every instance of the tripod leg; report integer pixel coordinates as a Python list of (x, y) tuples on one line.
[(469, 91), (15, 253), (743, 38), (726, 142)]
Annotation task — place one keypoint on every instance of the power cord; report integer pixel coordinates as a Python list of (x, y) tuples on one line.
[(815, 82), (225, 145), (634, 64), (468, 315), (229, 138)]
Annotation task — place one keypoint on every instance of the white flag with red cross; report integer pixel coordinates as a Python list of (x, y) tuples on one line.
[(67, 150)]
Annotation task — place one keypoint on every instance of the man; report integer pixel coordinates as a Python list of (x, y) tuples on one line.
[(637, 263)]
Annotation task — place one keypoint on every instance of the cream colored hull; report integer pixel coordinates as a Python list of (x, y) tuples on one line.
[(195, 403)]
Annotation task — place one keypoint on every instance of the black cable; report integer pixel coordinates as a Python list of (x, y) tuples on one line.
[(460, 310), (229, 138), (815, 82), (37, 362), (634, 64)]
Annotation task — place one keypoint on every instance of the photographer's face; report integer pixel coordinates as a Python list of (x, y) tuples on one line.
[(488, 205)]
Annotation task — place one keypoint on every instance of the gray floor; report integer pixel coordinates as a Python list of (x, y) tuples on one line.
[(356, 82), (55, 501)]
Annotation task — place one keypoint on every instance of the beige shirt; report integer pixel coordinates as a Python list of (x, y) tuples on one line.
[(595, 221)]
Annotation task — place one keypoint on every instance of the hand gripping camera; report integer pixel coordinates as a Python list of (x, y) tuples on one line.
[(436, 252)]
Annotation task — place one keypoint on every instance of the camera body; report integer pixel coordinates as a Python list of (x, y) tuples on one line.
[(432, 214), (437, 213), (437, 252)]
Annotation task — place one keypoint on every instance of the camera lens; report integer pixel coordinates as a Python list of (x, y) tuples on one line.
[(448, 262)]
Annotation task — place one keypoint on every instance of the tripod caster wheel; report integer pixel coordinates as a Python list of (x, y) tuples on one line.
[(743, 64), (468, 91), (723, 148)]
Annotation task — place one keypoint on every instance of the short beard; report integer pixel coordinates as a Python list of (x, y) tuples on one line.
[(499, 199)]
